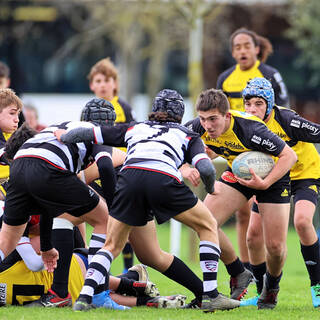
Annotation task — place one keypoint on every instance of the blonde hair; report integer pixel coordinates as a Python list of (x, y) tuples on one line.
[(9, 97), (108, 69)]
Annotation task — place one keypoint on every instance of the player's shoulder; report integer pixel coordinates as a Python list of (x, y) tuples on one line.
[(124, 104), (225, 74), (245, 117), (195, 126), (267, 70)]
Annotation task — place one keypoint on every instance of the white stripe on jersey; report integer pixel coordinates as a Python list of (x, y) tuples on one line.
[(102, 154), (98, 135), (47, 136), (157, 147)]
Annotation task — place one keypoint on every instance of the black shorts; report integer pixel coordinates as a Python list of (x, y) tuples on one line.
[(279, 192), (143, 194), (36, 186), (305, 189)]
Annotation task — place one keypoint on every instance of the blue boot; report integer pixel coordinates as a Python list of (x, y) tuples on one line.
[(103, 300), (315, 294)]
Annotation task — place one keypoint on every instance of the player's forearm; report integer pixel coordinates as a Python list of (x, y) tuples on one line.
[(207, 173), (287, 158)]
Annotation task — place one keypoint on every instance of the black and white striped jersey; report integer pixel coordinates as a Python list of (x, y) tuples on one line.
[(161, 147), (44, 145)]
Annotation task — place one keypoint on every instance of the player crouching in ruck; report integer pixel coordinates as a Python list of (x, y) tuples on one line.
[(150, 184)]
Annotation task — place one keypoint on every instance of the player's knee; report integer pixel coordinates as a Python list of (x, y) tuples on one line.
[(276, 248), (113, 246), (302, 224), (243, 217), (159, 260), (254, 239), (207, 225)]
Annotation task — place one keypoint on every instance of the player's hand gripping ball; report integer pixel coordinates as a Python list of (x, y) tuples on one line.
[(260, 162)]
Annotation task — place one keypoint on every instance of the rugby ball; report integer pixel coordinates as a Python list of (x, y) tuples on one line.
[(260, 162)]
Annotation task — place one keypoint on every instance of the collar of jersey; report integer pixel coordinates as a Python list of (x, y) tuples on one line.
[(255, 66)]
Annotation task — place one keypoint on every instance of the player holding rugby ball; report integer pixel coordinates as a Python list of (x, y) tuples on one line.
[(228, 133)]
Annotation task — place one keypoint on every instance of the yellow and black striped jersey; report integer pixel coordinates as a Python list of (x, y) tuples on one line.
[(299, 134), (246, 133), (19, 285), (234, 80)]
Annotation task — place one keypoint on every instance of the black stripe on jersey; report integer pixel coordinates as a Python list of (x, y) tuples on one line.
[(233, 94), (59, 126), (159, 141), (48, 146), (73, 149)]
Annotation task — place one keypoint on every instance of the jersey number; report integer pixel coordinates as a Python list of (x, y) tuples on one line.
[(159, 133)]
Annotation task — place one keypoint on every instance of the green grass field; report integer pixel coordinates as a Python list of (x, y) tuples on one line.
[(294, 297)]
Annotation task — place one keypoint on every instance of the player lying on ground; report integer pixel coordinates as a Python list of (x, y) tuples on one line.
[(21, 286), (143, 238)]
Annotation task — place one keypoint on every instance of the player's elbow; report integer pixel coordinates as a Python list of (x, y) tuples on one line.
[(290, 156)]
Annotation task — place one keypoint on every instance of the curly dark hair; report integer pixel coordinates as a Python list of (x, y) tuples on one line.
[(17, 139), (162, 116)]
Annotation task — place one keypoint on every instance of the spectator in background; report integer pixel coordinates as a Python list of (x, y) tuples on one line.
[(104, 83), (250, 52), (31, 117), (5, 83)]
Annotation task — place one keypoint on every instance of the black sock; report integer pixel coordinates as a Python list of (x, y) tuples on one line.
[(311, 258), (247, 265), (273, 282), (143, 300), (126, 287), (134, 275), (127, 254), (234, 268), (182, 274), (258, 272), (62, 240)]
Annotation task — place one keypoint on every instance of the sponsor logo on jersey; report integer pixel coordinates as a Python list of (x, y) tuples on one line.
[(270, 145), (285, 193), (314, 188), (295, 123), (256, 139), (228, 177), (211, 265), (313, 129), (91, 193), (3, 294), (234, 145)]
